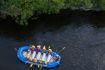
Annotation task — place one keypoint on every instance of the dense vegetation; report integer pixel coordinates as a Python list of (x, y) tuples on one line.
[(22, 10)]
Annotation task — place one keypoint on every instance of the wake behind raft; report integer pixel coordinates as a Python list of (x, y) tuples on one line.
[(37, 56)]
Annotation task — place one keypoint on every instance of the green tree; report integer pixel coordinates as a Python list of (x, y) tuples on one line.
[(101, 4), (22, 10), (78, 4)]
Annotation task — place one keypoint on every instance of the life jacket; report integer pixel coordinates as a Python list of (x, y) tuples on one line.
[(32, 49), (37, 50), (28, 54), (49, 57), (38, 56), (33, 54), (44, 57)]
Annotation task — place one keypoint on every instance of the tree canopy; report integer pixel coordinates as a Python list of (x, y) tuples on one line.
[(22, 10)]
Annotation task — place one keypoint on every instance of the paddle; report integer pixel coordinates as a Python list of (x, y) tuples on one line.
[(31, 65), (61, 50), (40, 65), (16, 49)]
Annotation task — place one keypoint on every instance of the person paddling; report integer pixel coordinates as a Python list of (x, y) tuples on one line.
[(38, 52), (44, 54), (28, 54), (49, 55), (32, 48)]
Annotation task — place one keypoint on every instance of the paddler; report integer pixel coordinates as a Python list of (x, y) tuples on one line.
[(33, 58), (32, 48), (28, 54), (44, 52), (49, 57), (38, 52)]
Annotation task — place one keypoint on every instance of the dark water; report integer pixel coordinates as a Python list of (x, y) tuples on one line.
[(82, 33)]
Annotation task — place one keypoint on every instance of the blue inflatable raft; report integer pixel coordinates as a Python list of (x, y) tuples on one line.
[(52, 64)]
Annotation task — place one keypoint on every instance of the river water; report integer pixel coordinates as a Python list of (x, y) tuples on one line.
[(82, 33)]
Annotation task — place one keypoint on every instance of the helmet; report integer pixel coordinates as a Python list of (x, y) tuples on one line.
[(33, 46), (44, 47), (49, 47), (50, 50), (39, 46)]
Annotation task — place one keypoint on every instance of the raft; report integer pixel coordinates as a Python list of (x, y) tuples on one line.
[(51, 64)]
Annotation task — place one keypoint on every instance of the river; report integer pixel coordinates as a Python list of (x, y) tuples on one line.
[(82, 33)]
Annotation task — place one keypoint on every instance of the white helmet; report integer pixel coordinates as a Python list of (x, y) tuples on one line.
[(50, 50), (44, 47), (33, 46), (38, 46)]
